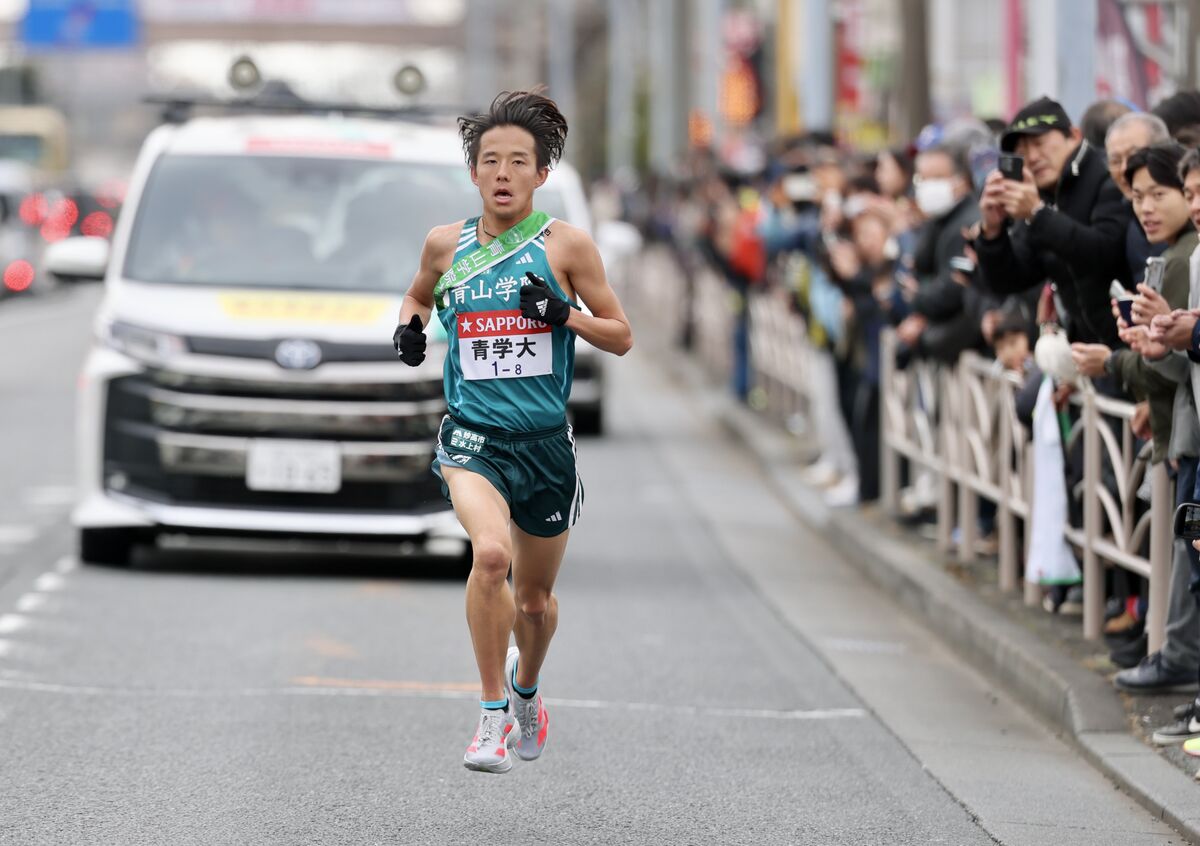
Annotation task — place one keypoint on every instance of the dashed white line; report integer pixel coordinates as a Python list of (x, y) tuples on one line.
[(303, 690), (31, 602), (864, 646), (66, 564), (49, 496), (14, 535), (10, 623), (49, 582)]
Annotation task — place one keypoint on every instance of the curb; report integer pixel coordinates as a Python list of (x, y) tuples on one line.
[(1072, 699)]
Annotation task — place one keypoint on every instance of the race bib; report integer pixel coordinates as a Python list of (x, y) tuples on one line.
[(503, 345)]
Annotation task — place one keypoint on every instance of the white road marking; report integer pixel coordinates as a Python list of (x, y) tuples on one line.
[(864, 646), (66, 564), (10, 623), (49, 581), (6, 648), (49, 496), (702, 711), (31, 602), (12, 535), (590, 704)]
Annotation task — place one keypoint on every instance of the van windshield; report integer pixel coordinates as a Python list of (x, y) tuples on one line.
[(22, 148), (279, 222)]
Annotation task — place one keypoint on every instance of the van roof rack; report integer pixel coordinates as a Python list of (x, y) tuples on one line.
[(279, 98)]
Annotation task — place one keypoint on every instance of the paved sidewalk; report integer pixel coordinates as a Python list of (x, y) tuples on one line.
[(1035, 657)]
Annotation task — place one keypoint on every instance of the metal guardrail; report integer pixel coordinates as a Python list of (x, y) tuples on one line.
[(983, 451), (960, 425)]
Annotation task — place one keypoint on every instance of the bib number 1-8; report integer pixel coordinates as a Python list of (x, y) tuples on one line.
[(503, 345)]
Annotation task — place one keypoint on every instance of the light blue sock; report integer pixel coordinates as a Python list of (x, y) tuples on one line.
[(525, 692), (496, 705)]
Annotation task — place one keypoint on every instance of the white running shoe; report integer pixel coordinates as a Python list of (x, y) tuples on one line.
[(844, 494), (488, 752), (533, 724), (820, 473)]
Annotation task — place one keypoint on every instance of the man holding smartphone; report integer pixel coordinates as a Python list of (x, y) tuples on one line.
[(1063, 220)]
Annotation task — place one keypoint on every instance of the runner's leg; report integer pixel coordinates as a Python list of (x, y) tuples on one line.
[(535, 567), (484, 514)]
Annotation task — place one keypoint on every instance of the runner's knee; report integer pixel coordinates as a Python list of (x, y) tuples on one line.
[(490, 560), (533, 604)]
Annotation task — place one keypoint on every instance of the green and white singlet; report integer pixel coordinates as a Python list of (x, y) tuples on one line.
[(504, 371)]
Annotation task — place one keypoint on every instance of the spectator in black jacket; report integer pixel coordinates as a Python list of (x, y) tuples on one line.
[(945, 317), (1066, 221)]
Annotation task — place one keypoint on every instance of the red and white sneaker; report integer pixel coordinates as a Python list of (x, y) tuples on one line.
[(533, 724), (488, 752)]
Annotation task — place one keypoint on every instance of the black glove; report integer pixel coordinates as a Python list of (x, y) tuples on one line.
[(410, 342), (538, 302)]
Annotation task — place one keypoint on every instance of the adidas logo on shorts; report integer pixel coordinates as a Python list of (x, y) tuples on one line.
[(461, 459), (556, 517)]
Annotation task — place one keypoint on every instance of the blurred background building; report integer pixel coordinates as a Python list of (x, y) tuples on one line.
[(641, 80)]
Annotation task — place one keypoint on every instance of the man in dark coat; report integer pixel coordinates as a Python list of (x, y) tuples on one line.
[(1065, 221)]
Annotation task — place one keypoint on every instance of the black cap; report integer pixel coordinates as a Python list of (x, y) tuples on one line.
[(1037, 118)]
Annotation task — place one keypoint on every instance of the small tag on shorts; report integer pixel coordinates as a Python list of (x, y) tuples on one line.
[(464, 439)]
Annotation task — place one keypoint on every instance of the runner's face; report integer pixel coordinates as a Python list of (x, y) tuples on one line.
[(506, 172)]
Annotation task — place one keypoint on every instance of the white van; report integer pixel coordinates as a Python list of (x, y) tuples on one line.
[(243, 381)]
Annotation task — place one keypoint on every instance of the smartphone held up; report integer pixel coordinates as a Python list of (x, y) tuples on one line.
[(1012, 166)]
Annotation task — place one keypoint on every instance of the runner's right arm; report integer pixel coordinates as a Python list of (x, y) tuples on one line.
[(436, 255)]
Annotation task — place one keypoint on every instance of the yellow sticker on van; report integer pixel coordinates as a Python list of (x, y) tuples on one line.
[(305, 308)]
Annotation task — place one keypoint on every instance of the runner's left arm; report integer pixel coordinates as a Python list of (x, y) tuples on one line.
[(607, 327)]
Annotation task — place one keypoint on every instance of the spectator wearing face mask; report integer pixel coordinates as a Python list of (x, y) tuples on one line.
[(1065, 221), (943, 324)]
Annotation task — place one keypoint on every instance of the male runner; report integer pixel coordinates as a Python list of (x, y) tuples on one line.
[(505, 285)]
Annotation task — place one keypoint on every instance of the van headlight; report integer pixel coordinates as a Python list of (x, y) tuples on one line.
[(140, 342)]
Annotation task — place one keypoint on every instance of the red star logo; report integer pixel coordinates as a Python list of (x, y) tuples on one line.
[(465, 326)]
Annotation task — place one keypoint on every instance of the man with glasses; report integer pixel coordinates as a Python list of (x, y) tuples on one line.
[(1128, 134)]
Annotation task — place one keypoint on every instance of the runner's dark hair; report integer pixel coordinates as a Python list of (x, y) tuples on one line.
[(532, 111)]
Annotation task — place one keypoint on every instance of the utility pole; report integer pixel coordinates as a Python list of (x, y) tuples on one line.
[(914, 68), (815, 70), (560, 52), (708, 54), (480, 76), (1191, 11), (620, 87), (663, 51), (1076, 25)]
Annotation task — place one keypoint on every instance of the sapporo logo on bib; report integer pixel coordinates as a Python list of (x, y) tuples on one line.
[(503, 345)]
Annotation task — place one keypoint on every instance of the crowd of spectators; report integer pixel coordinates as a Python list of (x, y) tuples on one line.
[(1066, 251)]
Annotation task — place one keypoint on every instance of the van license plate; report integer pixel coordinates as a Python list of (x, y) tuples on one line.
[(298, 466)]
